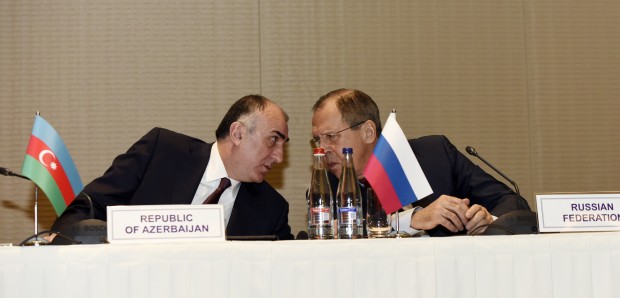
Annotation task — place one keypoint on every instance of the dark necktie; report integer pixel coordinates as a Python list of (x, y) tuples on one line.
[(214, 197), (364, 186)]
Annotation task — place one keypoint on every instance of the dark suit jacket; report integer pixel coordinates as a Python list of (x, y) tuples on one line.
[(449, 172), (165, 167)]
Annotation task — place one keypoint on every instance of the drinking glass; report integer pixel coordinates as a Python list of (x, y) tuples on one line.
[(377, 221)]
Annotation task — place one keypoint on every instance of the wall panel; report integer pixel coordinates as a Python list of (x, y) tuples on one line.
[(574, 85)]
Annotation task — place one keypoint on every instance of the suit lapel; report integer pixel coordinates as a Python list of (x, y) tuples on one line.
[(246, 210), (189, 172)]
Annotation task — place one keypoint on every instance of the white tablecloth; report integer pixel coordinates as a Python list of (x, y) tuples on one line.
[(550, 265)]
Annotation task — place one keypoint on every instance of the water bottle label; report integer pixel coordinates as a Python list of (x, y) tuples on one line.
[(348, 215), (319, 216)]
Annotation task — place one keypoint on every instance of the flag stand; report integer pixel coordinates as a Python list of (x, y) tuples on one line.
[(398, 233), (37, 240)]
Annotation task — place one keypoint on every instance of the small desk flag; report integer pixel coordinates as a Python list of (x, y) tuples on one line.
[(394, 171), (49, 165)]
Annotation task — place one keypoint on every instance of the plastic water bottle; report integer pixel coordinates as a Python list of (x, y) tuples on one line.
[(349, 197), (320, 200)]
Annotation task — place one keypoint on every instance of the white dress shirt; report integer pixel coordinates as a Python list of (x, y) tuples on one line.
[(211, 179)]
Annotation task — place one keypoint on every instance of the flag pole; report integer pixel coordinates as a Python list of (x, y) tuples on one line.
[(397, 222), (36, 210), (37, 240), (397, 233)]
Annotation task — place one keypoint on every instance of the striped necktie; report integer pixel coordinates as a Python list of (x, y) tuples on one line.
[(214, 197)]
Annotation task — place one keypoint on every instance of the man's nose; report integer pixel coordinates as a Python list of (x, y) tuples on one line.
[(278, 154)]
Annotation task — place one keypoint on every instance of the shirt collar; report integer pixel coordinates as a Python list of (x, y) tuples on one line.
[(215, 168)]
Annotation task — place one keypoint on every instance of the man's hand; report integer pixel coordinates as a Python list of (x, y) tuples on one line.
[(450, 212), (50, 237), (477, 216)]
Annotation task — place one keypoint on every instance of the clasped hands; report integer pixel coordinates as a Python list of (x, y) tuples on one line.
[(453, 213)]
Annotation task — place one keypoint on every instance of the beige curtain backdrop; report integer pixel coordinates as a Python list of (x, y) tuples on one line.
[(533, 85)]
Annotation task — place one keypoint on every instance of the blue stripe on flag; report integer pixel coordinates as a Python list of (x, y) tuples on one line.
[(46, 133), (386, 156)]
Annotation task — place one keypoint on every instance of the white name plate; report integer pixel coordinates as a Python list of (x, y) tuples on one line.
[(165, 223), (578, 212)]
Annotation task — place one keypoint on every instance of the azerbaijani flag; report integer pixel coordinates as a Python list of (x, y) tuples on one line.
[(49, 165), (394, 171)]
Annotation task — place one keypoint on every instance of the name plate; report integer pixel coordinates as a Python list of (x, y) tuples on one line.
[(165, 223), (578, 212)]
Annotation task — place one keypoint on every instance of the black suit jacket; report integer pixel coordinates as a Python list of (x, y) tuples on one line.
[(165, 167), (449, 172)]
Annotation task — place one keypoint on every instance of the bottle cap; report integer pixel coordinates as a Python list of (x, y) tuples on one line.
[(347, 150), (319, 151)]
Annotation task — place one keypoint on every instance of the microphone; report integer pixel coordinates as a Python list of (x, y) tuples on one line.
[(514, 222), (7, 172), (473, 152), (87, 231), (302, 235)]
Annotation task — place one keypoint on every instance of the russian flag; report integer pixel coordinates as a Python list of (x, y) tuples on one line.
[(393, 170), (49, 165)]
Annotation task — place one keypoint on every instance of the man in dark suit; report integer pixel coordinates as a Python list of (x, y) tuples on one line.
[(464, 198), (165, 167)]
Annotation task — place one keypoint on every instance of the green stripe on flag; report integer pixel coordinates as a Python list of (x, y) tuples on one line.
[(34, 170)]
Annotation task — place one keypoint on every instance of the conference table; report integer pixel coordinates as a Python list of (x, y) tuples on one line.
[(543, 265)]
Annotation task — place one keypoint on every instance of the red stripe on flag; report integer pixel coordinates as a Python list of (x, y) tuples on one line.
[(375, 173), (35, 147)]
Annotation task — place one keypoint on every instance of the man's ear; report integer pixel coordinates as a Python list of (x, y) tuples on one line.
[(236, 132), (369, 130)]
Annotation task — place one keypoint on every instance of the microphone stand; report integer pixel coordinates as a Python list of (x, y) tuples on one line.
[(514, 222), (472, 151)]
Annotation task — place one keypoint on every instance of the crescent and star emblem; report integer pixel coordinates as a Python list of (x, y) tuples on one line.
[(52, 164)]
